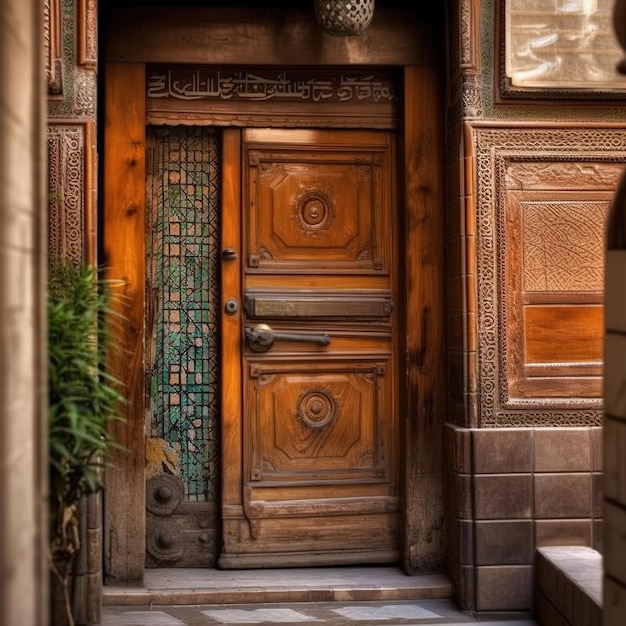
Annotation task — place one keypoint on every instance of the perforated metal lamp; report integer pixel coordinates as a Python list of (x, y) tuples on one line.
[(344, 17)]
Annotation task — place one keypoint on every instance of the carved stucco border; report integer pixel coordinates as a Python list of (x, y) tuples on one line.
[(71, 190), (465, 99), (491, 148), (77, 64)]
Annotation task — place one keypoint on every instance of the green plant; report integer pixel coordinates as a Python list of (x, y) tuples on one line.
[(83, 399)]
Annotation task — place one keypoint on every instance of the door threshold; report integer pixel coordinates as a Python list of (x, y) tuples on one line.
[(192, 586)]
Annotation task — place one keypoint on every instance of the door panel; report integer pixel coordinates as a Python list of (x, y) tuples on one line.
[(319, 360)]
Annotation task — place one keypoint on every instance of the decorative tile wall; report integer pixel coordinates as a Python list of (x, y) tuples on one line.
[(182, 301)]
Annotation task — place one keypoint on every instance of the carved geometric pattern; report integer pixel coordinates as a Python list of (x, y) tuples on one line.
[(66, 191), (78, 96), (328, 212), (563, 245), (307, 419), (497, 152), (182, 285)]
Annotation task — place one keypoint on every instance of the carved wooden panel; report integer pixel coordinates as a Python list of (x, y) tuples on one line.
[(315, 210), (319, 424), (319, 421), (542, 196), (554, 324)]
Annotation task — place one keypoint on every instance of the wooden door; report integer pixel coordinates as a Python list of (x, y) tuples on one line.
[(310, 439)]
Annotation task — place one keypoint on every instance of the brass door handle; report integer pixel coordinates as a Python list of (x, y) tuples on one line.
[(261, 337)]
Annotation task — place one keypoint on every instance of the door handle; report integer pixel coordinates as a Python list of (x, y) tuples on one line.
[(261, 337)]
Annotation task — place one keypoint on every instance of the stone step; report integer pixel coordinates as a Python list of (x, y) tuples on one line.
[(180, 586)]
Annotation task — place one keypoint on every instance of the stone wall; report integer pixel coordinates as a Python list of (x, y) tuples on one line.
[(23, 514)]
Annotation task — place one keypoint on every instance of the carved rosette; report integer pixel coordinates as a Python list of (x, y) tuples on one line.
[(316, 408), (313, 212)]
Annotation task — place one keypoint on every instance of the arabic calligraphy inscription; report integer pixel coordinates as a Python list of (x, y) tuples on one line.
[(312, 86)]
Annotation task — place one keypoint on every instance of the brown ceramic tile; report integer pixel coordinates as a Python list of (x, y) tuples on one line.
[(504, 588), (462, 441), (466, 588), (465, 539), (562, 450), (615, 541), (597, 462), (504, 543), (562, 496), (559, 532), (503, 496), (597, 492), (598, 535), (472, 408), (501, 451), (463, 500), (614, 438)]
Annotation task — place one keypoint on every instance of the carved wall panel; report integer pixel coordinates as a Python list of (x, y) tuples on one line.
[(87, 33), (319, 422), (69, 200), (328, 216), (541, 201), (72, 55)]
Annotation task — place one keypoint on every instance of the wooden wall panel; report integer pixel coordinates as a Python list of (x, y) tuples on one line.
[(124, 258), (225, 36), (563, 334), (425, 323), (542, 194)]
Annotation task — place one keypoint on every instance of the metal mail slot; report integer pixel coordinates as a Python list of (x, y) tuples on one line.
[(275, 305)]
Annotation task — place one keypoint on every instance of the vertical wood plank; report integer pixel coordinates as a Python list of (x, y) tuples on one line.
[(124, 259), (231, 331), (424, 547)]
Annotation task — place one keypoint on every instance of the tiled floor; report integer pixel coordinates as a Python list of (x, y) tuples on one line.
[(355, 596), (422, 612)]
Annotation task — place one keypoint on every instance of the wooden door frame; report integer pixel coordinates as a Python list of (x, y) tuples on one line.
[(135, 38)]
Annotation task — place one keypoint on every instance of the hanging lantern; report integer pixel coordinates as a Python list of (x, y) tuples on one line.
[(344, 17)]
